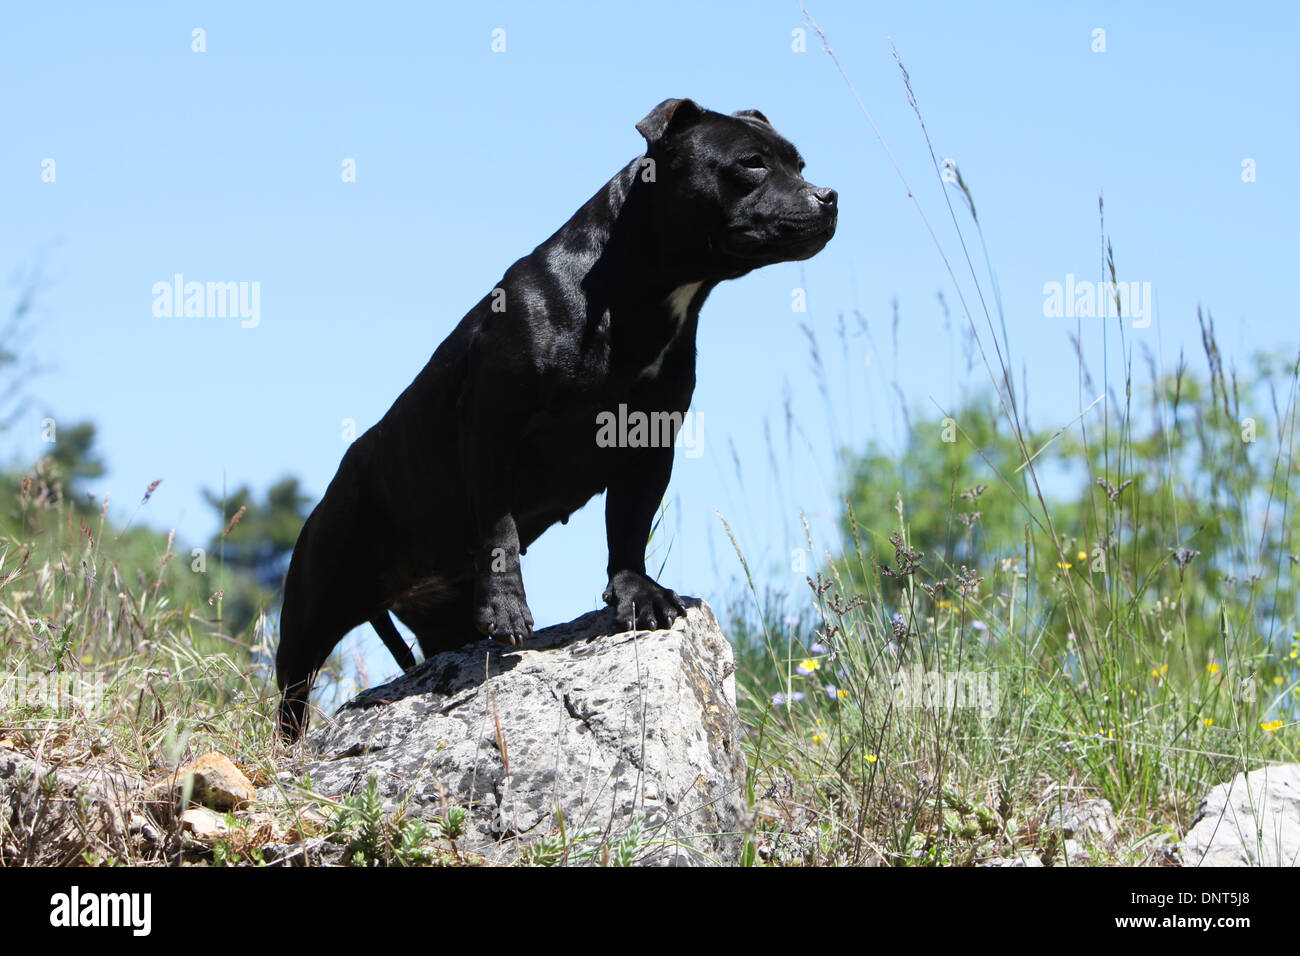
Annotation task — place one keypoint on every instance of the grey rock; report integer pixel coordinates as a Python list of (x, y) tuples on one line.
[(1084, 821), (314, 851), (52, 815), (632, 735), (1076, 854), (1252, 820), (1018, 859)]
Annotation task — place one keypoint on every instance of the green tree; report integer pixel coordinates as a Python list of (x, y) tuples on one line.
[(253, 545)]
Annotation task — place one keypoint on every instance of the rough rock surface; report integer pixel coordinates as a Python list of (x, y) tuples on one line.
[(631, 732), (1252, 820), (1086, 821), (53, 815)]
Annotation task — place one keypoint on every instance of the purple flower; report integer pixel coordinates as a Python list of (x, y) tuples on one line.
[(781, 699), (979, 625), (818, 648)]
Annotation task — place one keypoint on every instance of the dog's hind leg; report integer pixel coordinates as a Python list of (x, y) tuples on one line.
[(388, 633)]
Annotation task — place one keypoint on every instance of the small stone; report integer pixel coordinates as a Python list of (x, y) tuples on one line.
[(1023, 858), (218, 784), (140, 826), (1086, 821), (203, 825)]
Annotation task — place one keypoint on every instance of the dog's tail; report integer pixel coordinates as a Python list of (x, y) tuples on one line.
[(401, 651)]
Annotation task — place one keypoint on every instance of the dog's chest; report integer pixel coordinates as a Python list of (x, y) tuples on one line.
[(677, 306)]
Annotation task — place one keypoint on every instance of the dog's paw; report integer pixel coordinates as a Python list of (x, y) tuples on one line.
[(639, 602), (502, 613)]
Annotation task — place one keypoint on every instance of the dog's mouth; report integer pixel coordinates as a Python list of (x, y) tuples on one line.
[(790, 239)]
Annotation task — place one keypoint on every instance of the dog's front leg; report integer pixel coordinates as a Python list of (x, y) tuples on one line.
[(500, 608), (630, 503)]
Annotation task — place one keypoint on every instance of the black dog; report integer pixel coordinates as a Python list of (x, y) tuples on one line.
[(496, 439)]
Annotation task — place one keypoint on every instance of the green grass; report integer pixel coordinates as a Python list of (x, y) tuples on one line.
[(1132, 638)]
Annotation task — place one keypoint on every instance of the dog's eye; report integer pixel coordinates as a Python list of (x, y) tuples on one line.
[(753, 162)]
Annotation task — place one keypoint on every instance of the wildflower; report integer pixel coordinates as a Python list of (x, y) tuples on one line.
[(979, 626), (1295, 655), (1277, 681), (1209, 721), (1064, 565), (807, 666), (1159, 672), (869, 758), (818, 739), (945, 604), (781, 699), (1272, 727), (818, 648), (835, 693), (1212, 668), (1082, 556)]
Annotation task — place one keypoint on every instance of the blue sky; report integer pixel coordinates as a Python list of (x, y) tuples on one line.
[(225, 165)]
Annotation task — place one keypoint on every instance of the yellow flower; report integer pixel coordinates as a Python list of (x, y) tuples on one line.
[(808, 665), (1209, 721), (1159, 672), (869, 758), (1277, 681), (1064, 565), (945, 604), (1212, 668), (1295, 655), (1272, 727), (819, 739), (1083, 555)]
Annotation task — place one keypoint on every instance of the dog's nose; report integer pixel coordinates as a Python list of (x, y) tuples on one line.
[(826, 196)]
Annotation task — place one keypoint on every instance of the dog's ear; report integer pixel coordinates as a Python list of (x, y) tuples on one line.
[(752, 114), (670, 114)]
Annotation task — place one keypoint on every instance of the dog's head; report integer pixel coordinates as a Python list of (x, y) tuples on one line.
[(729, 190)]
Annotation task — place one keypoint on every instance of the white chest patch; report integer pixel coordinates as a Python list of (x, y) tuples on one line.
[(678, 302)]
